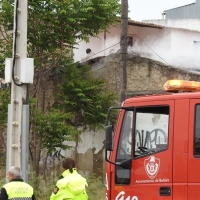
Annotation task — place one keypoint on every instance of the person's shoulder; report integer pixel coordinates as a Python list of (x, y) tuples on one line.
[(81, 179), (6, 184), (80, 176), (62, 182)]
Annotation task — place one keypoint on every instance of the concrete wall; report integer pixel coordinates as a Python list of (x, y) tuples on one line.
[(143, 74), (89, 152)]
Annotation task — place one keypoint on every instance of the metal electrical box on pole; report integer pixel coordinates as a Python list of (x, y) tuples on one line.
[(19, 73)]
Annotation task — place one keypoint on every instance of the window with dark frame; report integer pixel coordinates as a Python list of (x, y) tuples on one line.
[(130, 41), (146, 139), (196, 45), (150, 138)]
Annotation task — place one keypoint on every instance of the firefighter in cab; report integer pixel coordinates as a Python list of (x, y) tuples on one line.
[(71, 185), (16, 188)]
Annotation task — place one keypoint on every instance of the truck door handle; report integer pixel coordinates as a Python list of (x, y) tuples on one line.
[(165, 191)]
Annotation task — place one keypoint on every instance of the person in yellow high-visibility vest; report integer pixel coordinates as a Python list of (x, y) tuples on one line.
[(71, 185), (16, 188)]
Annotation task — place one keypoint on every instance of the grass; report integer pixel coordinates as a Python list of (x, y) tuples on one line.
[(95, 189)]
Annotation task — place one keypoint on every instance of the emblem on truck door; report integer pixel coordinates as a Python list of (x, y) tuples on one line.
[(151, 166)]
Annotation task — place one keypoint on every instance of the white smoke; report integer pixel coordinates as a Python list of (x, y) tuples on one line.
[(159, 49)]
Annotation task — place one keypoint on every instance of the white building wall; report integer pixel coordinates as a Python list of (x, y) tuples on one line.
[(112, 40), (151, 42), (109, 42), (95, 44), (183, 49), (191, 24)]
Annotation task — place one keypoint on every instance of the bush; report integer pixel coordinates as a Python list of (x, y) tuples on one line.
[(96, 188)]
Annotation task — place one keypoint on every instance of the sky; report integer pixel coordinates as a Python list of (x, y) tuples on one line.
[(152, 9)]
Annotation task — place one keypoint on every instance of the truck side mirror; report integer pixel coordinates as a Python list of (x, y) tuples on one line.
[(109, 138)]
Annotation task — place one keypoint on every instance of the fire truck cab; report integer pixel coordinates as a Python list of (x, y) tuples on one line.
[(153, 151)]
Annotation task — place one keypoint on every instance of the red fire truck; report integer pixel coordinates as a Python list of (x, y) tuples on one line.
[(153, 151)]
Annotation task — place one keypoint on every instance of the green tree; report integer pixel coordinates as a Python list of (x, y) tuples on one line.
[(52, 132), (4, 100), (54, 26), (85, 96)]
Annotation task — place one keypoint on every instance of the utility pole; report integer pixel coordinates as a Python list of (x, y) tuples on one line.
[(19, 73), (123, 46)]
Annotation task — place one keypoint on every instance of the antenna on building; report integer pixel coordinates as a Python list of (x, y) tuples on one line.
[(163, 15)]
